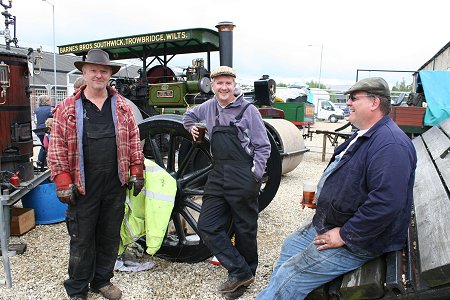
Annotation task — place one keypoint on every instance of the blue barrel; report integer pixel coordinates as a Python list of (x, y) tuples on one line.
[(47, 208)]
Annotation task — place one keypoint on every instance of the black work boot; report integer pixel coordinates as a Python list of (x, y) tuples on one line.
[(236, 294)]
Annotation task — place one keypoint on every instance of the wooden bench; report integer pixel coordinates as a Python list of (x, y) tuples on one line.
[(422, 268), (432, 204)]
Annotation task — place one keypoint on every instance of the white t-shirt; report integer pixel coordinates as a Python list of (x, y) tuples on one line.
[(333, 165)]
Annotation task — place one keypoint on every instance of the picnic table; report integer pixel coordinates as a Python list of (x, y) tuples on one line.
[(333, 137)]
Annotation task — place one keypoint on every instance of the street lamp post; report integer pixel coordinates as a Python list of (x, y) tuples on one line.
[(321, 55), (54, 46)]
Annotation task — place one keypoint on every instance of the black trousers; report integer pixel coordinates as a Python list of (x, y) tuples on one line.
[(231, 192), (94, 228)]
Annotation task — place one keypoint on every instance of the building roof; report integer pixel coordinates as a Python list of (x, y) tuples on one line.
[(434, 56), (64, 65)]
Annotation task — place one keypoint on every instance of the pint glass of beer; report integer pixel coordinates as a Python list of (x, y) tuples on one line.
[(309, 191), (201, 127)]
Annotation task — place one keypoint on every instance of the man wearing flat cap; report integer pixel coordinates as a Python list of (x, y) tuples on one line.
[(364, 200), (94, 154), (240, 149)]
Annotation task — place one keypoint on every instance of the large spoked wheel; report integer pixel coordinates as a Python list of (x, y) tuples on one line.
[(172, 147)]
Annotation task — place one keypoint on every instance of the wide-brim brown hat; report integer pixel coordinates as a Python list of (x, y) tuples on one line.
[(97, 57)]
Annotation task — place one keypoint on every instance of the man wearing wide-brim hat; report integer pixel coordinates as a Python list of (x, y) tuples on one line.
[(240, 149), (94, 154), (363, 198)]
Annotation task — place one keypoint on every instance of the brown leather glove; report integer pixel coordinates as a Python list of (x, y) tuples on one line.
[(136, 179), (66, 191)]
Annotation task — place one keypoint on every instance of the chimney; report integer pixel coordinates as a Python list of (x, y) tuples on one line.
[(226, 43)]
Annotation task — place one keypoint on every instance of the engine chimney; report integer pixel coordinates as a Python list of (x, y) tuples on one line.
[(226, 43)]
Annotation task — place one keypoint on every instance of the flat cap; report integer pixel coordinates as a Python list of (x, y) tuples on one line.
[(373, 85), (223, 71)]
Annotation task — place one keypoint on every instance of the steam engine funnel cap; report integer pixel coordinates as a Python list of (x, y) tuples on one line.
[(225, 26)]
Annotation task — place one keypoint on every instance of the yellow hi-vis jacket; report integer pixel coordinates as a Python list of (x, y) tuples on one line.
[(149, 212)]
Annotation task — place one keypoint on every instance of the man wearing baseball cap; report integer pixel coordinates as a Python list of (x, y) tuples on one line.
[(364, 200), (240, 148), (94, 153)]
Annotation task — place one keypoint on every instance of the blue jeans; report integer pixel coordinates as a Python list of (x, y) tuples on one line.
[(301, 268), (41, 155)]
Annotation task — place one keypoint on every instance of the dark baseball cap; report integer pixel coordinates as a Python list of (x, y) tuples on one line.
[(373, 85)]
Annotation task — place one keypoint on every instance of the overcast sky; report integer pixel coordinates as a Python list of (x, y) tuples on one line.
[(271, 37)]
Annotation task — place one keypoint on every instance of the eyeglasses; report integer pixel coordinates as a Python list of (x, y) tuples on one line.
[(353, 98)]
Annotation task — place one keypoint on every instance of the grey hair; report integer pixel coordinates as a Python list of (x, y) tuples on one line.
[(385, 103), (44, 99), (79, 82)]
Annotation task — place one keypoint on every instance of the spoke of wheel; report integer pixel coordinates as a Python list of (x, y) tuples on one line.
[(186, 160), (193, 192), (194, 176), (192, 204), (172, 149), (156, 152), (190, 220), (183, 176), (179, 228)]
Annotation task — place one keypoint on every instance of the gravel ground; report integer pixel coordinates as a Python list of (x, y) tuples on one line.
[(40, 271)]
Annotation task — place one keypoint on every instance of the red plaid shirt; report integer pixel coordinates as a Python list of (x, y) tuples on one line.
[(63, 153)]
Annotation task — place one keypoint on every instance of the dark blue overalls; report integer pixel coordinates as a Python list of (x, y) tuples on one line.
[(94, 222), (231, 190)]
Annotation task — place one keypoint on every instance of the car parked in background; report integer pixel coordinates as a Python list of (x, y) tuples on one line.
[(344, 107)]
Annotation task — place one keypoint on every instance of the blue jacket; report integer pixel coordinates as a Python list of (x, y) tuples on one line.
[(370, 192), (42, 113)]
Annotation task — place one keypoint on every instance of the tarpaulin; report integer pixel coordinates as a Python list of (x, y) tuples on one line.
[(436, 87)]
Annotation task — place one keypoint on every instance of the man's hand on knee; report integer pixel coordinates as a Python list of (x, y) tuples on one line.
[(329, 239)]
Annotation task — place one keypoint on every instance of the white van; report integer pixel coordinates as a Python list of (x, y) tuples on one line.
[(324, 109)]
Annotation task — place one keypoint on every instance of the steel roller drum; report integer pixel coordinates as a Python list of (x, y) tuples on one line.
[(289, 141)]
